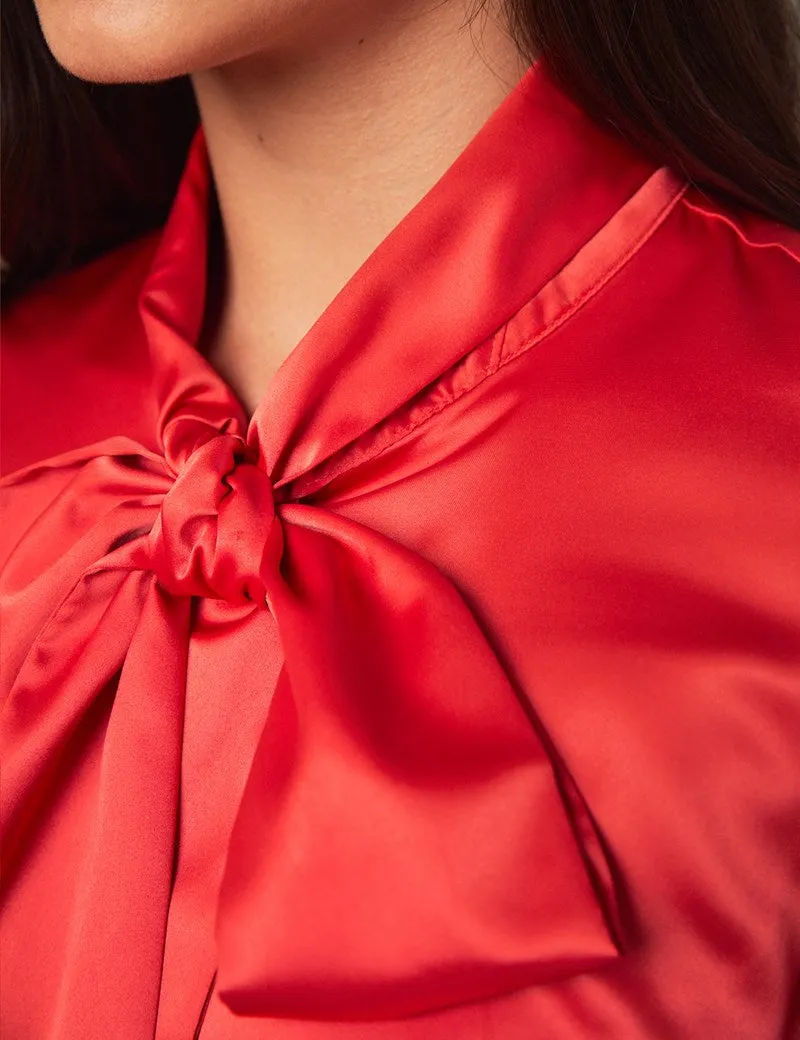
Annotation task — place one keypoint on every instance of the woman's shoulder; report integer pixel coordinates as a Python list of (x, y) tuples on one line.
[(73, 355), (753, 230), (743, 247), (708, 298), (64, 303), (737, 317)]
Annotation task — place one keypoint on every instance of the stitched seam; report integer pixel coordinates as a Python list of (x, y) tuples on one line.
[(596, 287), (496, 351), (571, 308), (729, 218)]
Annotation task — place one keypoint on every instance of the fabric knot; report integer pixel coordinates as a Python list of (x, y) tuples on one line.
[(216, 534)]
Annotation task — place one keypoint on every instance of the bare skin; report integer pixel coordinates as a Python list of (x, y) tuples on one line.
[(317, 157), (326, 121)]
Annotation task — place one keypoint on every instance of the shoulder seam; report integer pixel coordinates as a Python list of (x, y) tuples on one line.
[(754, 230)]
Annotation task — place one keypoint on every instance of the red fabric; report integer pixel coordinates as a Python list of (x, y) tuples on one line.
[(456, 694)]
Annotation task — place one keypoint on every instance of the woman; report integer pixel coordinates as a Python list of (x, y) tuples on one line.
[(402, 543)]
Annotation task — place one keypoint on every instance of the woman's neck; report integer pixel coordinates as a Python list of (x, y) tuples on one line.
[(317, 153)]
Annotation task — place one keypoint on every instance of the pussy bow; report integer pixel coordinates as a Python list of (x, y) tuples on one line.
[(402, 843), (407, 839)]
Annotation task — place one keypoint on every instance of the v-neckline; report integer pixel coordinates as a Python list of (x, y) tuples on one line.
[(501, 221)]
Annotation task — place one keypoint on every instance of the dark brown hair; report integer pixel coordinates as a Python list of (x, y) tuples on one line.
[(710, 87)]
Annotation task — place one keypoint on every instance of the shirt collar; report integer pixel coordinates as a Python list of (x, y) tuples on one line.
[(534, 185)]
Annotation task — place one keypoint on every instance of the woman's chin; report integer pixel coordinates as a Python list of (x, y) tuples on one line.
[(121, 41)]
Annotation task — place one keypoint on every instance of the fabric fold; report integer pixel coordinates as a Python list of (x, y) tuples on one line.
[(396, 850)]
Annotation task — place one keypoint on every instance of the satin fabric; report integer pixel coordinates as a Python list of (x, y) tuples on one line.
[(456, 692)]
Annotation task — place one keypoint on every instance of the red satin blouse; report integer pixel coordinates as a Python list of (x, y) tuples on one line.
[(455, 695)]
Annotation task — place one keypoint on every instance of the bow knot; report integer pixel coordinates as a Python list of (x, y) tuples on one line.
[(216, 534)]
